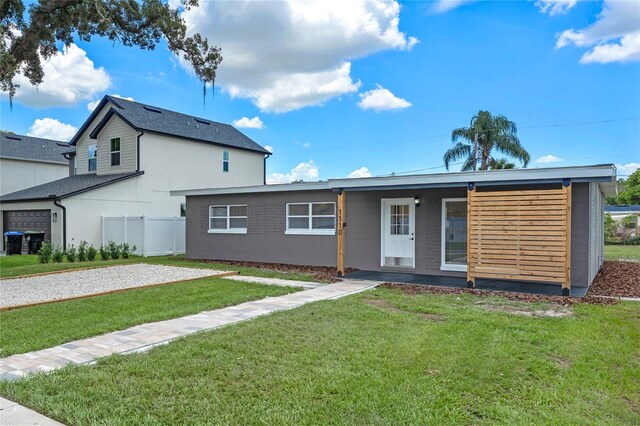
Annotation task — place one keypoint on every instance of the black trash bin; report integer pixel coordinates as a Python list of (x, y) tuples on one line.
[(35, 240), (13, 242)]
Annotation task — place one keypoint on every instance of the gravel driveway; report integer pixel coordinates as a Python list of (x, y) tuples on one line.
[(20, 291)]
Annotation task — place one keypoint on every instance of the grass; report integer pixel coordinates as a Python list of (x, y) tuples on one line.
[(349, 362), (620, 252), (44, 326), (13, 266)]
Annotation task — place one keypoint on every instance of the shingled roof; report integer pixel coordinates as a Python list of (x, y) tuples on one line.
[(66, 187), (22, 147), (152, 119)]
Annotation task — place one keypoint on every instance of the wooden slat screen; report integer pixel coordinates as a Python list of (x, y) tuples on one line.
[(519, 235)]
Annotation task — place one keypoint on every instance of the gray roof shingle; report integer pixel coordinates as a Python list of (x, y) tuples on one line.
[(66, 187), (158, 120), (30, 148)]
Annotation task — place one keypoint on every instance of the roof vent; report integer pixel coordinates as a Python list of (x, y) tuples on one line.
[(14, 138), (202, 121), (152, 109)]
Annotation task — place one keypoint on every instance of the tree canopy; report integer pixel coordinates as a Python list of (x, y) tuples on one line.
[(628, 191), (494, 133), (26, 43)]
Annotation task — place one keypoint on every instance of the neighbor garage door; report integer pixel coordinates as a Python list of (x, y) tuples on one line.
[(28, 220)]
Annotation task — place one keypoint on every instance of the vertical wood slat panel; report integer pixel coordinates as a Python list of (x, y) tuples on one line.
[(511, 236)]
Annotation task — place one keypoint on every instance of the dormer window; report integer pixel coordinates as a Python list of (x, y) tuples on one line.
[(115, 152), (92, 156), (225, 161)]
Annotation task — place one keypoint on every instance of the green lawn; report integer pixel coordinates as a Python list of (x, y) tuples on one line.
[(616, 252), (44, 326), (356, 361), (13, 266)]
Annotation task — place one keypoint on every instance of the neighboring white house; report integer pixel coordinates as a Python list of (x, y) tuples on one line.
[(26, 161), (125, 159)]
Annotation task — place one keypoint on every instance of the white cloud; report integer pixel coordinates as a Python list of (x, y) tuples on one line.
[(548, 159), (381, 99), (303, 171), (362, 172), (614, 37), (555, 7), (627, 169), (93, 104), (291, 54), (50, 128), (249, 123), (442, 6), (69, 77), (269, 148)]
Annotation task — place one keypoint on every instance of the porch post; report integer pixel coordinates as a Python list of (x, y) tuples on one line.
[(341, 224), (566, 285), (471, 279)]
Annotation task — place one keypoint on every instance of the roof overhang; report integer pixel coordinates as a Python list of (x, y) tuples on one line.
[(604, 174)]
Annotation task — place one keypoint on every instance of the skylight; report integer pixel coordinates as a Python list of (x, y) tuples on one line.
[(152, 109), (15, 138), (202, 121)]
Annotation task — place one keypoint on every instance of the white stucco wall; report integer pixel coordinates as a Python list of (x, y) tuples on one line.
[(19, 174)]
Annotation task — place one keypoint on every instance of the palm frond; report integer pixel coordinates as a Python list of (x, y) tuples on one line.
[(458, 151)]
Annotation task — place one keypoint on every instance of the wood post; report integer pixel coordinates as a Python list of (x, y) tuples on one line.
[(566, 285), (471, 280), (341, 224)]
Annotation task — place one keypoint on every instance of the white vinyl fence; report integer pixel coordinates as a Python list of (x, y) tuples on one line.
[(152, 236)]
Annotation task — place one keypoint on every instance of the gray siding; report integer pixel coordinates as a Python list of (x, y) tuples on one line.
[(265, 240), (580, 235), (363, 239), (117, 128)]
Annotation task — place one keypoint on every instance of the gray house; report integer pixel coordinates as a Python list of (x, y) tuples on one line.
[(531, 225)]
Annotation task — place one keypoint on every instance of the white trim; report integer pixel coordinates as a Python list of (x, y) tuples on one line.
[(119, 152), (443, 217), (310, 216), (228, 229), (412, 226)]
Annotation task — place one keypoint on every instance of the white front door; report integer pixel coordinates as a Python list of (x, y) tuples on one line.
[(398, 232)]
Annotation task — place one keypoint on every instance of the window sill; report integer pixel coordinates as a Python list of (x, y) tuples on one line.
[(309, 232), (227, 231), (454, 268)]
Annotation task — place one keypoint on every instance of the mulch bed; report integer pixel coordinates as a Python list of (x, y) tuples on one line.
[(411, 290), (320, 273), (617, 279)]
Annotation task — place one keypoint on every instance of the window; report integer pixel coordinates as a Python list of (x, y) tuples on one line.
[(228, 219), (454, 234), (311, 218), (399, 219), (92, 156), (115, 152), (225, 161), (183, 209)]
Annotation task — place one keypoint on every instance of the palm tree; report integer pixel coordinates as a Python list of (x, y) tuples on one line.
[(493, 133), (500, 164)]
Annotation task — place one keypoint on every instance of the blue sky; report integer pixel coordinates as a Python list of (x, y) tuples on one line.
[(376, 87)]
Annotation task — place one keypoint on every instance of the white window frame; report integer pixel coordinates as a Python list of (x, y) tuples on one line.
[(226, 161), (310, 230), (443, 238), (119, 152), (95, 158), (229, 230)]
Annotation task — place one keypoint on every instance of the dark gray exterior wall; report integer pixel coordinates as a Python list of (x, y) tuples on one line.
[(265, 240), (363, 239)]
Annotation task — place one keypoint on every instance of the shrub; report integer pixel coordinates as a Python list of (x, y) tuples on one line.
[(114, 250), (126, 250), (57, 255), (91, 253), (82, 251), (72, 253), (44, 254), (104, 252)]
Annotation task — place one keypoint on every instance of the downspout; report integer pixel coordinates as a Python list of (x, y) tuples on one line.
[(264, 170), (56, 202), (138, 150)]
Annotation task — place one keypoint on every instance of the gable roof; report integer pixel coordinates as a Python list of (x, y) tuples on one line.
[(162, 121), (28, 148), (66, 187)]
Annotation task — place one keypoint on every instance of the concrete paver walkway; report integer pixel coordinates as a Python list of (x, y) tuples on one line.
[(145, 336), (12, 413)]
